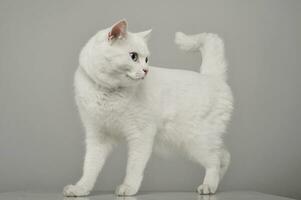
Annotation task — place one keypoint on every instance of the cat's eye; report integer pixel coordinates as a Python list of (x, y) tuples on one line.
[(134, 56), (146, 59)]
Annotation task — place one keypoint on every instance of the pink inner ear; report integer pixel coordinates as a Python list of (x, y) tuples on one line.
[(118, 30)]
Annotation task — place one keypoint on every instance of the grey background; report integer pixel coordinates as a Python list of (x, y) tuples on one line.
[(41, 138)]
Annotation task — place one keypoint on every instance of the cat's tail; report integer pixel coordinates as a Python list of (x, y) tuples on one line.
[(212, 48)]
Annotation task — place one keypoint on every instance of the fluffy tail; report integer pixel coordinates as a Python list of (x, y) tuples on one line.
[(212, 49)]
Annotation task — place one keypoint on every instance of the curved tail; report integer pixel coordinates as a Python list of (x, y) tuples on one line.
[(212, 48)]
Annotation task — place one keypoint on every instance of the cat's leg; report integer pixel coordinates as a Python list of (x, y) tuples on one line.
[(211, 161), (211, 179), (216, 164), (139, 151), (97, 150), (225, 162)]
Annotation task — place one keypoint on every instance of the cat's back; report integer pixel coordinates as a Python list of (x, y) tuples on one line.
[(173, 75), (182, 90), (181, 81)]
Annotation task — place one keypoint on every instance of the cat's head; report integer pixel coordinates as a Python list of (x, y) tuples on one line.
[(115, 57)]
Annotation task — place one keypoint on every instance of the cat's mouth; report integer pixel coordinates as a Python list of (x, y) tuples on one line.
[(134, 78)]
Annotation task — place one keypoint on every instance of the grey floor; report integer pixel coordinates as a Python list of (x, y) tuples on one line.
[(239, 195)]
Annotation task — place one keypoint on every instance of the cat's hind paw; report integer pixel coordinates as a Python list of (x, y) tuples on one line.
[(75, 191), (125, 190), (205, 189)]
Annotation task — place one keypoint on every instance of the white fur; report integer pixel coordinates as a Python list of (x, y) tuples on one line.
[(169, 110)]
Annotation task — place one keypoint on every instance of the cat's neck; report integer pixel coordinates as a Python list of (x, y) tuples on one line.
[(109, 90)]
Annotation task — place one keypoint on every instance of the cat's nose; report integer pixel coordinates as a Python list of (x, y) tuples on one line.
[(145, 71)]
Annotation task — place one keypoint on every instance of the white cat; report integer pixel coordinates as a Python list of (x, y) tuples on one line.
[(120, 97)]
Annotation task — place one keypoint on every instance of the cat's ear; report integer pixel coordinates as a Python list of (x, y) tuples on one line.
[(118, 30), (145, 34)]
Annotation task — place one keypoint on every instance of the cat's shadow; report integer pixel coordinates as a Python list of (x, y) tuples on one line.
[(102, 195), (140, 196)]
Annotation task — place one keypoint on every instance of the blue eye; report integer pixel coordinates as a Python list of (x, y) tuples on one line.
[(134, 56)]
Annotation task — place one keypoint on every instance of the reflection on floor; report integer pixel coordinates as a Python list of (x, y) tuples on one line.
[(238, 195)]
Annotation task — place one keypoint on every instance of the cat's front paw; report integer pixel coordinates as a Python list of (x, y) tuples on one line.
[(206, 189), (125, 190), (75, 191)]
